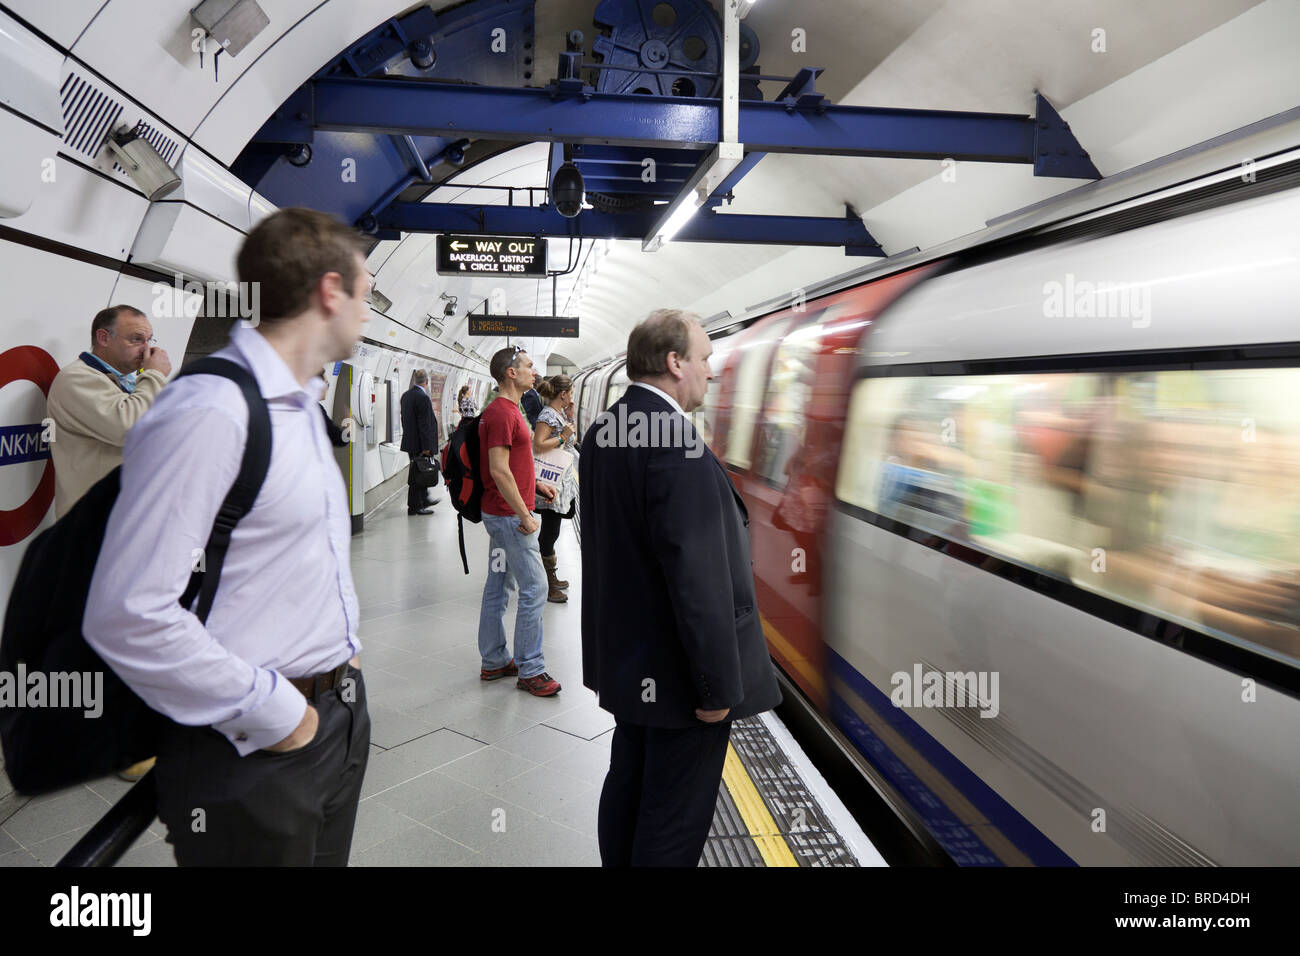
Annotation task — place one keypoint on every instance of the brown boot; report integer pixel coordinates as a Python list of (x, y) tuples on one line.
[(550, 564), (556, 594)]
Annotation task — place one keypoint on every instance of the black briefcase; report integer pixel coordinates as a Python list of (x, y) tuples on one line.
[(426, 471)]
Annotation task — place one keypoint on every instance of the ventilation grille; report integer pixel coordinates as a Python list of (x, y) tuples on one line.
[(88, 115)]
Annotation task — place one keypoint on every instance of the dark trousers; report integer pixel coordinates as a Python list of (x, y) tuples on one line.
[(550, 531), (265, 809), (660, 793), (416, 498)]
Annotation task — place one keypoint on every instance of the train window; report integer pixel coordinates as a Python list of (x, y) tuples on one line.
[(750, 382), (1171, 491), (781, 427), (587, 417), (618, 384)]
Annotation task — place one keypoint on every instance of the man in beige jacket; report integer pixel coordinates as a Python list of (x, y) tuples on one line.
[(96, 399)]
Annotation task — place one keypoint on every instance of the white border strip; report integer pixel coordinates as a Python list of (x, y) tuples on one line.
[(840, 818)]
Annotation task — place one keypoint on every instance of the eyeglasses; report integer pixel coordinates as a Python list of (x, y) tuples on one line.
[(135, 339)]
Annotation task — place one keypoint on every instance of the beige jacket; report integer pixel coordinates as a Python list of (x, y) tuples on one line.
[(91, 418)]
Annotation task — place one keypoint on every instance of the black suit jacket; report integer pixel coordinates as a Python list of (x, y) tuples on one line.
[(532, 403), (667, 581), (419, 424)]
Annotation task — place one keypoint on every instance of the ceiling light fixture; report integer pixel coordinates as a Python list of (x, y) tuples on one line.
[(708, 176)]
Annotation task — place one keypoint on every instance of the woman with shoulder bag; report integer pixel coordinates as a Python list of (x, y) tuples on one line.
[(554, 434)]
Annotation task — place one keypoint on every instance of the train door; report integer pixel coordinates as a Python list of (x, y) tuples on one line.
[(781, 489), (738, 411)]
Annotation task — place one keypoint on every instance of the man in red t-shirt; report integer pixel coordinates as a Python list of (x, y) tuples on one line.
[(509, 490)]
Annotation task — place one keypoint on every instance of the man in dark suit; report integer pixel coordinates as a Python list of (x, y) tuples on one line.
[(671, 637), (532, 406), (419, 437)]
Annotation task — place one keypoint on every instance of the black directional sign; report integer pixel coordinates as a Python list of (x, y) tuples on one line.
[(491, 256), (540, 326)]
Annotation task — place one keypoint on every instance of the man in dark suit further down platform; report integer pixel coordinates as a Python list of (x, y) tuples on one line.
[(419, 437), (671, 637)]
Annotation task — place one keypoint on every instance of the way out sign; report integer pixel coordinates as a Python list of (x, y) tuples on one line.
[(491, 255)]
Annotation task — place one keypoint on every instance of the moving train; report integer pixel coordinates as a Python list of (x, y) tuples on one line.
[(1026, 520)]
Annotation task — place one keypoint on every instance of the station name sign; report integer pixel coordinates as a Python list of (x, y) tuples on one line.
[(491, 255), (538, 326)]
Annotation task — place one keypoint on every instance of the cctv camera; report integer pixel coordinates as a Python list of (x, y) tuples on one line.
[(147, 169), (568, 191)]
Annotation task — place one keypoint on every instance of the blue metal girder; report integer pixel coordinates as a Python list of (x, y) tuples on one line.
[(707, 226), (389, 105), (749, 162), (663, 188), (687, 159)]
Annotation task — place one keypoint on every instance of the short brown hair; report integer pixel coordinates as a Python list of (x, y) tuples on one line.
[(503, 359), (663, 331), (107, 318), (288, 252)]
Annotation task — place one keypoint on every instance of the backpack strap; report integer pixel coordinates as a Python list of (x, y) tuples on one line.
[(460, 530), (239, 500)]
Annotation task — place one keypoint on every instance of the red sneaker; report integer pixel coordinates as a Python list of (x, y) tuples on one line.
[(507, 670), (542, 685)]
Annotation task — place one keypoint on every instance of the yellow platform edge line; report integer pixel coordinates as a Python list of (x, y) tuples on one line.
[(758, 820)]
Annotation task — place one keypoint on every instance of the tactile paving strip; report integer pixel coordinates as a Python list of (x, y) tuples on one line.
[(799, 819), (729, 842)]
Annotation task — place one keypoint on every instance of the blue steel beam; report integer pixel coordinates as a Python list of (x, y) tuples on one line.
[(749, 162), (707, 226), (399, 106), (663, 188)]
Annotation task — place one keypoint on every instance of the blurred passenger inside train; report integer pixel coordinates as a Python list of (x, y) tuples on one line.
[(95, 399), (269, 731), (671, 636), (809, 475), (553, 445), (1168, 491), (510, 488), (466, 403)]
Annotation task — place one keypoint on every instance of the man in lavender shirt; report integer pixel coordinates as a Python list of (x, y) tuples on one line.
[(262, 760)]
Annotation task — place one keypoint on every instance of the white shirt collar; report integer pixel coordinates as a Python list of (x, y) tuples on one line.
[(274, 378), (664, 395)]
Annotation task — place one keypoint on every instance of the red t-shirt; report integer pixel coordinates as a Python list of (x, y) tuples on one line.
[(502, 425)]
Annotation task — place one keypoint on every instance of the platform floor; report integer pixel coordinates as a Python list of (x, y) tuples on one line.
[(467, 773)]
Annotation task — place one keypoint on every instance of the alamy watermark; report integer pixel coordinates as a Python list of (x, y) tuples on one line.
[(922, 688), (1083, 299), (125, 910), (58, 689), (637, 429), (215, 298)]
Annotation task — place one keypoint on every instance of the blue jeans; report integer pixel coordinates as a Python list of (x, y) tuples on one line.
[(513, 555)]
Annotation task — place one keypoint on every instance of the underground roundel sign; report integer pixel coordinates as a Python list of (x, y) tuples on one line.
[(25, 441)]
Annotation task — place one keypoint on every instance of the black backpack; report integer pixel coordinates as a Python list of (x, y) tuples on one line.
[(460, 470), (48, 748)]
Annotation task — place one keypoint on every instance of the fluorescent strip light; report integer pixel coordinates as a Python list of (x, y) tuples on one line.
[(708, 176)]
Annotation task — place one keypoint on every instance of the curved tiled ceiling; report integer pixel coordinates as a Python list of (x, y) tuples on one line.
[(1173, 72)]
